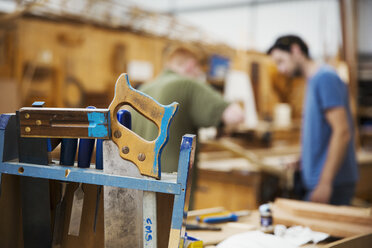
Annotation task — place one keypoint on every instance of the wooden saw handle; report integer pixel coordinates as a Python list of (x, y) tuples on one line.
[(144, 154)]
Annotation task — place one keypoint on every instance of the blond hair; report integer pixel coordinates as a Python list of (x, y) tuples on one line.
[(178, 53)]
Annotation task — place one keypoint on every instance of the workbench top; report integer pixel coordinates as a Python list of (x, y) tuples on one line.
[(245, 224), (211, 238)]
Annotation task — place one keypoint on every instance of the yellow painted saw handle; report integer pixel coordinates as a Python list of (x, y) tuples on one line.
[(144, 154)]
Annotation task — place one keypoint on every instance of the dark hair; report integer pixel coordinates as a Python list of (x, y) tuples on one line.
[(285, 42)]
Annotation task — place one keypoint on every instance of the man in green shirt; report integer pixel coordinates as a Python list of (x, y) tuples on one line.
[(199, 105)]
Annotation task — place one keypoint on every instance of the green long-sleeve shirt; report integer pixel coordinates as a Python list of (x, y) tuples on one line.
[(199, 106)]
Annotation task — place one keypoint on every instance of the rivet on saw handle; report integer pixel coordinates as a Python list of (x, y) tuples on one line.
[(148, 162)]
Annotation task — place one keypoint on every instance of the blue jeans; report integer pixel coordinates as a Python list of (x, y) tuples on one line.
[(341, 194)]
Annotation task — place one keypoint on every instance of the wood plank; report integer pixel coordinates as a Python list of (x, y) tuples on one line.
[(343, 227), (327, 212), (334, 228), (245, 224), (238, 150), (233, 190), (352, 242)]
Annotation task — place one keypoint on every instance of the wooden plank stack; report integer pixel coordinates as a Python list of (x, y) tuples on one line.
[(339, 221)]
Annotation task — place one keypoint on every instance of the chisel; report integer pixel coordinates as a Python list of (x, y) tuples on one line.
[(222, 217), (67, 158), (35, 195), (84, 156), (124, 119), (99, 166)]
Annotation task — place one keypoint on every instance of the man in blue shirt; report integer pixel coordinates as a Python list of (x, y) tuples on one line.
[(328, 165)]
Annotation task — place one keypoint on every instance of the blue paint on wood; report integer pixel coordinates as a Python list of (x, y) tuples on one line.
[(4, 118), (161, 141), (137, 91), (185, 164), (2, 134), (38, 104), (148, 229), (90, 176), (49, 145), (97, 128), (180, 187)]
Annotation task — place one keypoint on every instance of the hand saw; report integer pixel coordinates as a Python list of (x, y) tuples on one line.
[(103, 124), (124, 119)]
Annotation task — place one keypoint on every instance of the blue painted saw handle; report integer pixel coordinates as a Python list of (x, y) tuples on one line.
[(144, 154)]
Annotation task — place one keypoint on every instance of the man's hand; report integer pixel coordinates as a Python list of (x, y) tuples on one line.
[(293, 165), (233, 115), (322, 193)]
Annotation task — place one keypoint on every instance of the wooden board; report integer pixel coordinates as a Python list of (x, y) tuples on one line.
[(9, 96), (245, 224), (327, 212), (334, 220), (234, 190), (352, 242)]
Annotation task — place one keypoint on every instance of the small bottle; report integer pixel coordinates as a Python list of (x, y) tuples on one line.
[(266, 218)]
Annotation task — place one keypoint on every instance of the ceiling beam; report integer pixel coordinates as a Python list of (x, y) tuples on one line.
[(231, 5)]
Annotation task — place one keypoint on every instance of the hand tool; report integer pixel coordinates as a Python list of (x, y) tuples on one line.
[(103, 124), (76, 211), (198, 212), (141, 157), (191, 242), (124, 118), (222, 217), (99, 166), (67, 158), (148, 198), (190, 227), (121, 206), (81, 123), (174, 184), (84, 157), (35, 192)]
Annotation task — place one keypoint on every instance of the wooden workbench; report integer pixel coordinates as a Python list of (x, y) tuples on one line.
[(211, 238), (228, 179), (247, 223), (338, 221)]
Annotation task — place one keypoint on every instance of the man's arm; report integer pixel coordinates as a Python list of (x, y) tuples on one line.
[(341, 135)]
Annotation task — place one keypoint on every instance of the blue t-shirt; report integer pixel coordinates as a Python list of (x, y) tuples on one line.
[(325, 90)]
